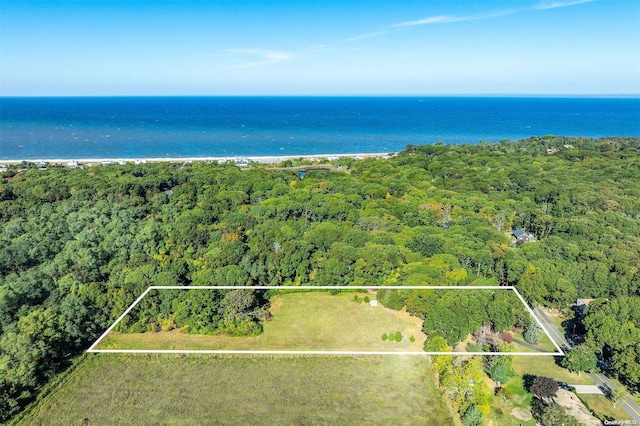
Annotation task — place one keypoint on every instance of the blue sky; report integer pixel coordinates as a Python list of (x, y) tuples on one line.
[(302, 47)]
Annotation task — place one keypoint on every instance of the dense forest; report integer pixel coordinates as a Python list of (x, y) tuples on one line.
[(77, 246)]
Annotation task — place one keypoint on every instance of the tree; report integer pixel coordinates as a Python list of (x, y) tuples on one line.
[(579, 359), (532, 333), (436, 343), (472, 417), (544, 387), (553, 414), (499, 368)]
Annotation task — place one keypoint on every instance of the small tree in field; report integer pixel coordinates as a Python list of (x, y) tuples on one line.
[(398, 336), (472, 417), (544, 387), (384, 337), (532, 333)]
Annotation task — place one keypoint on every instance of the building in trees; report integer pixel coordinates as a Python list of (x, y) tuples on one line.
[(522, 236)]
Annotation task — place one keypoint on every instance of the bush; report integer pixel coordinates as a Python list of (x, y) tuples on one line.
[(544, 387), (500, 372), (507, 337), (505, 393), (390, 299), (499, 368), (357, 299), (412, 339), (474, 347), (472, 416), (167, 324), (398, 337), (366, 299), (384, 337), (244, 327), (532, 333)]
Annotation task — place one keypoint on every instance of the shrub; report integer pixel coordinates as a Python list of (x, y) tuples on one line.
[(544, 387), (398, 337), (384, 337), (474, 347), (507, 337), (532, 333), (505, 393), (412, 339), (167, 324), (472, 416), (244, 327), (356, 298), (366, 299), (390, 299), (500, 372)]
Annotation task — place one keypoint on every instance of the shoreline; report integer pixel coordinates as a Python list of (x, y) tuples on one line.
[(238, 159)]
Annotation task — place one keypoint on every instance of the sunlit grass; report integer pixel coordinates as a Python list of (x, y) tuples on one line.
[(300, 321), (502, 411), (118, 389), (546, 366), (603, 407), (544, 344)]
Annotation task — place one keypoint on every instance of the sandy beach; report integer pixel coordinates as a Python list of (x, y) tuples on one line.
[(240, 160)]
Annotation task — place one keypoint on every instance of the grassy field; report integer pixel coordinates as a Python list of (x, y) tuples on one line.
[(546, 366), (301, 321), (603, 407), (502, 412), (544, 343), (118, 389)]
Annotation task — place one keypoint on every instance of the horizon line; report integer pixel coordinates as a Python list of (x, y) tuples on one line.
[(346, 95)]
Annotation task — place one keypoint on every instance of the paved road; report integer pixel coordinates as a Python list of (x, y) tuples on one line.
[(627, 403), (554, 331), (600, 379), (528, 345)]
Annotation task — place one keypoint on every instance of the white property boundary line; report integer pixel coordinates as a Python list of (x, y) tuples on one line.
[(93, 349)]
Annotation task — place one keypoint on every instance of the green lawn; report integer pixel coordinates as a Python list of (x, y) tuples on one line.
[(544, 344), (502, 411), (119, 389), (603, 407), (300, 321), (546, 366)]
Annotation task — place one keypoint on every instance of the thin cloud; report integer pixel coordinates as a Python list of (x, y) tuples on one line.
[(260, 56), (449, 19), (368, 36), (443, 19), (556, 4)]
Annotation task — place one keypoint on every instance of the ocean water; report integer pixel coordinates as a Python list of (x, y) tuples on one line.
[(151, 127)]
